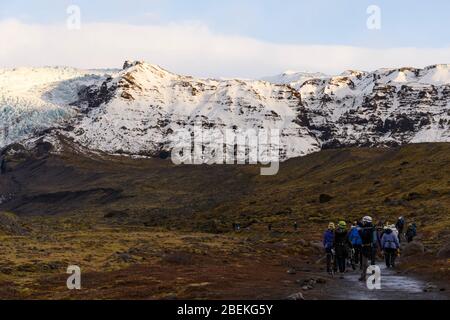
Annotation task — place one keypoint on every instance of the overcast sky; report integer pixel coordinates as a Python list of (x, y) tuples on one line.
[(226, 38)]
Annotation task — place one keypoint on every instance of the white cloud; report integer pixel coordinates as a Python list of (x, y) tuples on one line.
[(190, 48)]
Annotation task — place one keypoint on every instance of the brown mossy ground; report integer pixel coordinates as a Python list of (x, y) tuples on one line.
[(147, 229)]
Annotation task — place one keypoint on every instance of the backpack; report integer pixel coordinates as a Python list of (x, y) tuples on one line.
[(354, 237), (400, 224), (366, 234)]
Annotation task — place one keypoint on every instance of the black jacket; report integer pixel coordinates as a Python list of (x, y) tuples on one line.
[(341, 238), (367, 234)]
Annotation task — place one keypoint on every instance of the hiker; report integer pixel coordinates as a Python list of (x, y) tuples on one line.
[(400, 226), (411, 232), (356, 241), (394, 230), (367, 234), (328, 244), (390, 246), (341, 245), (377, 248), (295, 226)]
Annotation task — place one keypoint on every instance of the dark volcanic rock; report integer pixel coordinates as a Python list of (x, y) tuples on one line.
[(325, 198), (412, 249), (116, 214), (444, 253)]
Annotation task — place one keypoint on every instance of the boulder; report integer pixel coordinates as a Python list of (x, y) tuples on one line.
[(444, 234), (413, 248), (284, 211), (124, 257), (317, 246), (430, 288), (292, 272), (116, 214), (444, 253), (324, 198), (296, 296), (306, 288)]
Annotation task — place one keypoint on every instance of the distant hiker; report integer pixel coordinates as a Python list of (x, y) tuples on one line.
[(367, 234), (341, 245), (390, 246), (328, 244), (400, 225), (269, 227), (356, 241), (295, 226), (411, 232)]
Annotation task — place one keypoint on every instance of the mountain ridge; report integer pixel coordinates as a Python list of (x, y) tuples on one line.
[(137, 110)]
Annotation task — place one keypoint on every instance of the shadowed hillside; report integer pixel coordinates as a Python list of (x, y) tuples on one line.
[(348, 183), (143, 228)]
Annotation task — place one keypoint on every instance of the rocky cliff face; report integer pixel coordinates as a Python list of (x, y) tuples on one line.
[(386, 107), (138, 110)]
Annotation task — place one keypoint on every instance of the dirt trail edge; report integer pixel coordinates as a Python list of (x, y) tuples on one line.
[(394, 286)]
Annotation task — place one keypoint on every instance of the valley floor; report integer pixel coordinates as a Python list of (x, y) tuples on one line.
[(145, 229), (142, 263)]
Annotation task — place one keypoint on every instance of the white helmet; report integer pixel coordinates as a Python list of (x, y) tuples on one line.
[(367, 219)]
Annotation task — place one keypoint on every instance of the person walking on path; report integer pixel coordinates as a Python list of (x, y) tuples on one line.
[(342, 245), (411, 233), (390, 246), (400, 225), (356, 242), (367, 234), (328, 244)]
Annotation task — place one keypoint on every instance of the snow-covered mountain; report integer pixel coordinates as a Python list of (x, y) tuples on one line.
[(385, 107), (137, 110), (294, 78)]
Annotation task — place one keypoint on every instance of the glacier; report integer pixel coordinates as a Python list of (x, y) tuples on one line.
[(136, 110)]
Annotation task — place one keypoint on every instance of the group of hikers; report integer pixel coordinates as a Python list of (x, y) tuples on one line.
[(360, 244)]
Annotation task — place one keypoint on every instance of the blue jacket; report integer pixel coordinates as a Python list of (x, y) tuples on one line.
[(354, 237), (389, 240), (328, 239)]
